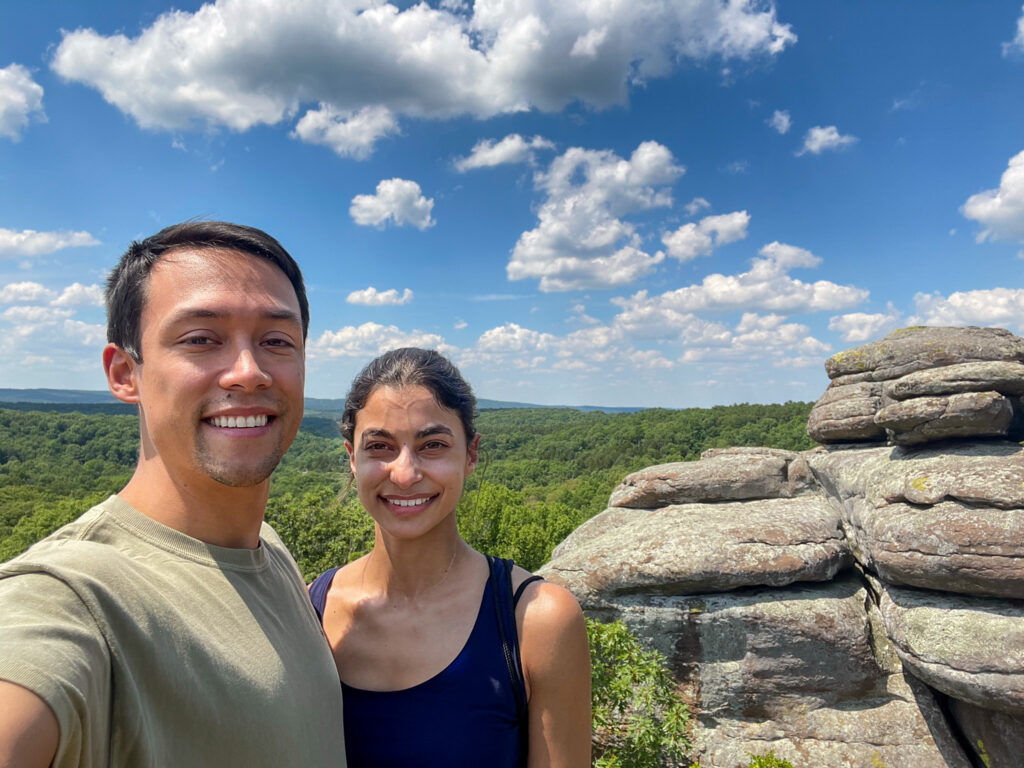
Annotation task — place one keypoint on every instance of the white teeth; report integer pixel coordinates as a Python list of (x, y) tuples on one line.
[(234, 422), (408, 502)]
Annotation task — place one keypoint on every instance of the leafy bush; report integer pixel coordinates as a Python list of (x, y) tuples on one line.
[(639, 718)]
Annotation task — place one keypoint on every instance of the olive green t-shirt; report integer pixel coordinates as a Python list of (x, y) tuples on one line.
[(156, 649)]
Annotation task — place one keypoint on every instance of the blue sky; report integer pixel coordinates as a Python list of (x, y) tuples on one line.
[(662, 203)]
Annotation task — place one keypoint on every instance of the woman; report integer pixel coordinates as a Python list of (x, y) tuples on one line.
[(431, 641)]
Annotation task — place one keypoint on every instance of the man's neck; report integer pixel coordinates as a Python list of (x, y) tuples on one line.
[(212, 512)]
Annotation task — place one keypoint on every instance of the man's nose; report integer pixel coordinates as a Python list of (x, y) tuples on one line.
[(245, 373)]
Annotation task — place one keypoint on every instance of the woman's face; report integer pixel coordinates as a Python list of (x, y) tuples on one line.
[(410, 459)]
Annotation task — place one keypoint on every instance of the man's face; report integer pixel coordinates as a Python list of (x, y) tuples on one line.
[(220, 387)]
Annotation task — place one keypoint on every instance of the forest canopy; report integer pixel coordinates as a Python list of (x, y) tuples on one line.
[(542, 471)]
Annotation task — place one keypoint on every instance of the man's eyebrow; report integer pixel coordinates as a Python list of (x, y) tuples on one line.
[(201, 313)]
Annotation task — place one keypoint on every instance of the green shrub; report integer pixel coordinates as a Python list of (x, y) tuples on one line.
[(639, 718), (768, 761)]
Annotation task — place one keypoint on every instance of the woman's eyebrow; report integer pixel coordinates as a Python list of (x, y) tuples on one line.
[(374, 433)]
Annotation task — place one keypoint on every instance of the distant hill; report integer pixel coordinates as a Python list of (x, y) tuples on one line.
[(72, 397)]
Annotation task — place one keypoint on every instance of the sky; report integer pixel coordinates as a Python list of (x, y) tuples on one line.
[(642, 203)]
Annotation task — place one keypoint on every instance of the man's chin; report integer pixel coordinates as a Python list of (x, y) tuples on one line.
[(242, 476)]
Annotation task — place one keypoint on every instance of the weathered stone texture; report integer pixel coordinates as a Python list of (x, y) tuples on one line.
[(1007, 378), (914, 349), (846, 413), (996, 738), (694, 548), (925, 419), (971, 649), (728, 475), (797, 670), (948, 518)]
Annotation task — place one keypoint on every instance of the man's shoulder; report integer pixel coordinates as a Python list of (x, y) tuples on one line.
[(70, 542)]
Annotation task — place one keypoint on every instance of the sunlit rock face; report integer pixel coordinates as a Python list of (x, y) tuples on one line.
[(859, 604)]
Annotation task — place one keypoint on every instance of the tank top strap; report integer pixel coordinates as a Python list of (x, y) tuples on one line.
[(501, 582), (318, 592), (522, 588)]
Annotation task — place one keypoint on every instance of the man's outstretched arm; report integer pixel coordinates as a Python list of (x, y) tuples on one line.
[(28, 729)]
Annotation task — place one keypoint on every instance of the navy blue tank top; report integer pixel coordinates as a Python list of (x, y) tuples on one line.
[(466, 715)]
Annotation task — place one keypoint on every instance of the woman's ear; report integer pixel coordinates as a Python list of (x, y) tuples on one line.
[(121, 370), (472, 454), (351, 457)]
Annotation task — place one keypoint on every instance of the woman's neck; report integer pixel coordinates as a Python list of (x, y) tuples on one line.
[(415, 570)]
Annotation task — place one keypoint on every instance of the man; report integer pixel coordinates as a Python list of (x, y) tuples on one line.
[(169, 625)]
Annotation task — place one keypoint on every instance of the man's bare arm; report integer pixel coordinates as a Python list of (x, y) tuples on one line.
[(29, 733)]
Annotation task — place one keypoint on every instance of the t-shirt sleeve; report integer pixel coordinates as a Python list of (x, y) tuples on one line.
[(50, 644)]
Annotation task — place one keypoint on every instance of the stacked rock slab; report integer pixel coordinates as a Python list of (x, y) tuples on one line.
[(923, 384), (861, 604)]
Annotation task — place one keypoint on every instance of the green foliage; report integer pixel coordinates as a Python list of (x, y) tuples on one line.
[(768, 761), (320, 530), (497, 520), (43, 521), (639, 718)]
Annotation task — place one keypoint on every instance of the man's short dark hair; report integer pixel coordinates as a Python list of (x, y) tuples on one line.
[(127, 283)]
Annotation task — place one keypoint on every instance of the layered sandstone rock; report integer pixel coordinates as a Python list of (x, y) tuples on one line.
[(923, 384), (861, 604)]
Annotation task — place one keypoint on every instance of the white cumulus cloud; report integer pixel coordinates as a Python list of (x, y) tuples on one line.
[(696, 205), (399, 201), (698, 239), (859, 327), (767, 286), (21, 100), (371, 339), (780, 120), (1000, 211), (1016, 46), (819, 139), (511, 149), (350, 133), (87, 334), (1002, 307), (76, 295), (581, 239), (25, 292), (371, 297), (28, 242), (238, 64)]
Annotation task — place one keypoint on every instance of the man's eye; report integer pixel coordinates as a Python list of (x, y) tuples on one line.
[(282, 343), (435, 445), (198, 340)]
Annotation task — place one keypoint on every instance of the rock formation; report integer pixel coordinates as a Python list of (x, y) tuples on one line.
[(859, 604)]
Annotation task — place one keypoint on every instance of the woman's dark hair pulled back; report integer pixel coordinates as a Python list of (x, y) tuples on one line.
[(412, 366)]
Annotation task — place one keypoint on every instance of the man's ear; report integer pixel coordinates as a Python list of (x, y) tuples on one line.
[(473, 454), (120, 369)]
